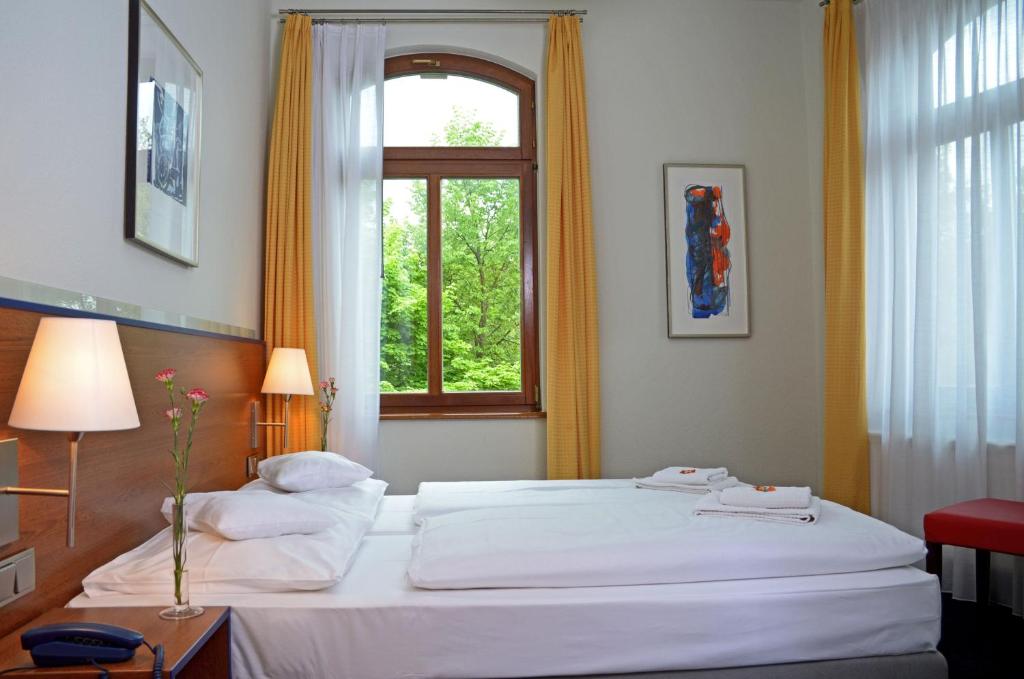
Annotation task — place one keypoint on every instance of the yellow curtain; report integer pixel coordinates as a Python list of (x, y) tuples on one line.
[(573, 399), (847, 464), (288, 262)]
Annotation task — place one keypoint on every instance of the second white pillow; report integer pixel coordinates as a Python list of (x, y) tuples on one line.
[(311, 470), (256, 514)]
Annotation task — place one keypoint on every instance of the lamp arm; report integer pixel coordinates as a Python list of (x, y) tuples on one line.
[(254, 422), (73, 439), (287, 401), (71, 492), (20, 490)]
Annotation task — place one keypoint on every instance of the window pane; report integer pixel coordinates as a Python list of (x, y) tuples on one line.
[(989, 56), (403, 331), (481, 284), (450, 111)]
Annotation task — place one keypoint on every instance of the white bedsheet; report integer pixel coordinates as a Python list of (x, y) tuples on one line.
[(374, 625), (437, 498), (658, 540)]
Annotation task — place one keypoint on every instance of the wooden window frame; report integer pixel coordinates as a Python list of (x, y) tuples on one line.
[(434, 164)]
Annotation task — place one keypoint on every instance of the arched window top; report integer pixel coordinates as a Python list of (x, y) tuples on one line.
[(439, 100)]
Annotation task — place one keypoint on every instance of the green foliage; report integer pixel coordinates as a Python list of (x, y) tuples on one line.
[(403, 340), (480, 297)]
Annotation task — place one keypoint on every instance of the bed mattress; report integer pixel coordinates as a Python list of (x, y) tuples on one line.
[(374, 625)]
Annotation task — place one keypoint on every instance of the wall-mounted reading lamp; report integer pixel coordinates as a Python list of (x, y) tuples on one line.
[(75, 381), (287, 374)]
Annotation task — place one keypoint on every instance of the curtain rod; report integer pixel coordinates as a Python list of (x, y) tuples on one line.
[(827, 2), (434, 15)]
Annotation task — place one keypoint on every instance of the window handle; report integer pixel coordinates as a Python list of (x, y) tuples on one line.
[(436, 63)]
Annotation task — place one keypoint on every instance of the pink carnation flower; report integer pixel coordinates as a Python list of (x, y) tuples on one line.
[(173, 413), (324, 384), (166, 375), (197, 395)]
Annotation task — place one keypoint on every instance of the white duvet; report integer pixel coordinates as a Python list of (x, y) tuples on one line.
[(436, 498), (277, 564), (641, 543)]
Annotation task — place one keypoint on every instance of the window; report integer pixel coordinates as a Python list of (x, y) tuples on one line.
[(459, 315), (944, 162), (976, 94)]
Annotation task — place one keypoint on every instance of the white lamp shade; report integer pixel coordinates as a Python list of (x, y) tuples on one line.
[(75, 379), (288, 373)]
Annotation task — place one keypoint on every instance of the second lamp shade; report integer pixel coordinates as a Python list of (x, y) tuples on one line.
[(288, 373)]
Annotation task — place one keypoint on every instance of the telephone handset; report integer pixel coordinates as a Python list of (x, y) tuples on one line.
[(86, 643)]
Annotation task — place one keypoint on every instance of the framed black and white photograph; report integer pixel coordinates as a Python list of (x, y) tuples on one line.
[(165, 96), (706, 251)]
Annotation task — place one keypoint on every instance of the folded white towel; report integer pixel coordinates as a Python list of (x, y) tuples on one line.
[(650, 484), (711, 505), (690, 476), (768, 497)]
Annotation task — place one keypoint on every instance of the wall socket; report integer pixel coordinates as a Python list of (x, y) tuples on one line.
[(251, 463)]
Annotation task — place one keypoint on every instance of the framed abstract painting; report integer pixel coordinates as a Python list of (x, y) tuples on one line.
[(706, 251), (165, 98)]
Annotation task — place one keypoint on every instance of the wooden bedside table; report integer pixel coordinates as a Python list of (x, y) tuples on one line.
[(198, 648)]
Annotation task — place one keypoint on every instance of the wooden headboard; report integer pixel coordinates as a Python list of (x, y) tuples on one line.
[(121, 473)]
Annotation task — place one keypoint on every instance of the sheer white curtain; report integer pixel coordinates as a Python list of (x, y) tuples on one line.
[(348, 107), (943, 104)]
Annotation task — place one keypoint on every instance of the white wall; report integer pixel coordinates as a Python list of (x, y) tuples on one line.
[(718, 81), (62, 128), (705, 82), (811, 24)]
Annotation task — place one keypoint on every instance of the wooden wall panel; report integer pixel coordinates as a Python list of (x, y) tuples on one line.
[(121, 474)]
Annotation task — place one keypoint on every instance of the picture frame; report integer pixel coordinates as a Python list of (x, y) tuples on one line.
[(706, 260), (162, 140)]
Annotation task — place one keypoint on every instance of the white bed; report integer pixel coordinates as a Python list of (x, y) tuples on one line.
[(374, 625)]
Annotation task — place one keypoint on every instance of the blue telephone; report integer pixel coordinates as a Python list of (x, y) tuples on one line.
[(86, 643)]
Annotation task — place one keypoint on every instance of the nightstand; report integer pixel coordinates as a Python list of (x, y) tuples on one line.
[(198, 648)]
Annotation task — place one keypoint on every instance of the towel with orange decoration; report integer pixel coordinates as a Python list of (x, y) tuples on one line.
[(711, 505), (694, 489), (691, 476), (768, 497)]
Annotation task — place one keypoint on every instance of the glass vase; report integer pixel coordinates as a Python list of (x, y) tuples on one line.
[(181, 609)]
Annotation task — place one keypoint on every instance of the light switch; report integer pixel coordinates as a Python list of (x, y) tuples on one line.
[(17, 576), (25, 574), (7, 577)]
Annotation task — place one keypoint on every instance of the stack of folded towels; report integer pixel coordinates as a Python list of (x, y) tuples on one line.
[(696, 480), (782, 504)]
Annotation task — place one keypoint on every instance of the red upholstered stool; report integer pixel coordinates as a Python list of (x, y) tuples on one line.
[(985, 525)]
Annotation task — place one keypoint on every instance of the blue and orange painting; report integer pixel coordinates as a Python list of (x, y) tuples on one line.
[(707, 254)]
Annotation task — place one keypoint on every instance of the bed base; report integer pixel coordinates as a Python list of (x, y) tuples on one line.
[(929, 665)]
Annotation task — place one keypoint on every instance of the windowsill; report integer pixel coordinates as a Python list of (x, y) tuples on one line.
[(456, 415)]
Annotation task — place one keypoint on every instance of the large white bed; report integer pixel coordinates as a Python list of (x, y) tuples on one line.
[(375, 625)]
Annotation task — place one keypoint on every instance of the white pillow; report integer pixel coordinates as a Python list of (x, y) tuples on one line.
[(245, 516), (362, 497), (311, 470), (219, 566)]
